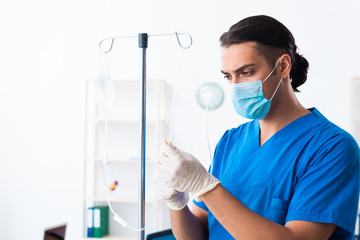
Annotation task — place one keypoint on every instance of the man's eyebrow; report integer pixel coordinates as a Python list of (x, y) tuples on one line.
[(241, 68)]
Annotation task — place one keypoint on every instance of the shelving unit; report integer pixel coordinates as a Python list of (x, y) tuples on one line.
[(355, 110), (123, 152), (355, 127)]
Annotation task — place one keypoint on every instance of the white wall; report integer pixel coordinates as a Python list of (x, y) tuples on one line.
[(48, 49)]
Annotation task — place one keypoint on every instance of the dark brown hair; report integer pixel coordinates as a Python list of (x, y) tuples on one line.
[(273, 39)]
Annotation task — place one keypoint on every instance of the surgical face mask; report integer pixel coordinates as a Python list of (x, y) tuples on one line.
[(248, 98)]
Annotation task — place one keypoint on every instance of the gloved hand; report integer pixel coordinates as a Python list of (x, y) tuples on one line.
[(183, 172), (174, 199)]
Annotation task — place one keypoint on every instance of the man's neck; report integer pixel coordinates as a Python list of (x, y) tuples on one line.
[(282, 113)]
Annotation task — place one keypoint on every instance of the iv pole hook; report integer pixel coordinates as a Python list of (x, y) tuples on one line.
[(112, 43), (178, 39), (155, 35)]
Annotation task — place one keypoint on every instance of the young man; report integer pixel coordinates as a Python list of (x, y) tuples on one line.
[(288, 174)]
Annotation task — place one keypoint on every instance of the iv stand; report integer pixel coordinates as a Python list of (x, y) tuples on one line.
[(143, 44)]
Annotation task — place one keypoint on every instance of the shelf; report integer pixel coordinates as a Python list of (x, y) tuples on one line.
[(155, 82), (110, 237), (147, 160), (119, 199), (127, 121)]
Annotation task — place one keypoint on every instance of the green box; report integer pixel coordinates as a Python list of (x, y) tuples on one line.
[(100, 221)]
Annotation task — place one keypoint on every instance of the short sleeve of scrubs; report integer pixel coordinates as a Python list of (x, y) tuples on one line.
[(326, 192)]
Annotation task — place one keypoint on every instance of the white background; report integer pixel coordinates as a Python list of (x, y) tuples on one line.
[(48, 49)]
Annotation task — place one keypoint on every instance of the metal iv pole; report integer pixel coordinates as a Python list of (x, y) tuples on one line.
[(143, 44)]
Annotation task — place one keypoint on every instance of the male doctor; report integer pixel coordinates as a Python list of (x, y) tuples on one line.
[(289, 173)]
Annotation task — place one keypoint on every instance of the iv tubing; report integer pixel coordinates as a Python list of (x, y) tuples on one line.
[(107, 178), (206, 118), (207, 111), (171, 115), (106, 162), (122, 222), (207, 131)]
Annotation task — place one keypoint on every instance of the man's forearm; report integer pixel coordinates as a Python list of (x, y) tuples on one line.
[(185, 225), (239, 221), (242, 223)]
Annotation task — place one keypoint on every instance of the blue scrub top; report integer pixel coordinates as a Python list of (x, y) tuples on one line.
[(308, 170)]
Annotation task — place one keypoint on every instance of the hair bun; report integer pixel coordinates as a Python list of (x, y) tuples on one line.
[(299, 71)]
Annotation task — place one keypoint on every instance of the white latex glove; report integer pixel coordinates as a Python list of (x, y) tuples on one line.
[(174, 199), (183, 172)]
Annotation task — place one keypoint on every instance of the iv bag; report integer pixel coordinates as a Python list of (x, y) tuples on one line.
[(105, 93)]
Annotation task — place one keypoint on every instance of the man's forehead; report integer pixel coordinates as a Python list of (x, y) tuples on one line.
[(247, 50), (240, 56), (251, 45)]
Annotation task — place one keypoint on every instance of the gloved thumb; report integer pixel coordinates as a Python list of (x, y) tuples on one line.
[(170, 150)]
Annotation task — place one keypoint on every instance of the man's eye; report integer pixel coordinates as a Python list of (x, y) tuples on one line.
[(227, 77), (247, 73)]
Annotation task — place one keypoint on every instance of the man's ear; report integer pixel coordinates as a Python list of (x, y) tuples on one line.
[(285, 66)]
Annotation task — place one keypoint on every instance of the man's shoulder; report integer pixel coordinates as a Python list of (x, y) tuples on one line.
[(242, 127)]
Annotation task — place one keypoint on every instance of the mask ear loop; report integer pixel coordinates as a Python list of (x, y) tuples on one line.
[(270, 75), (276, 89), (271, 71)]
